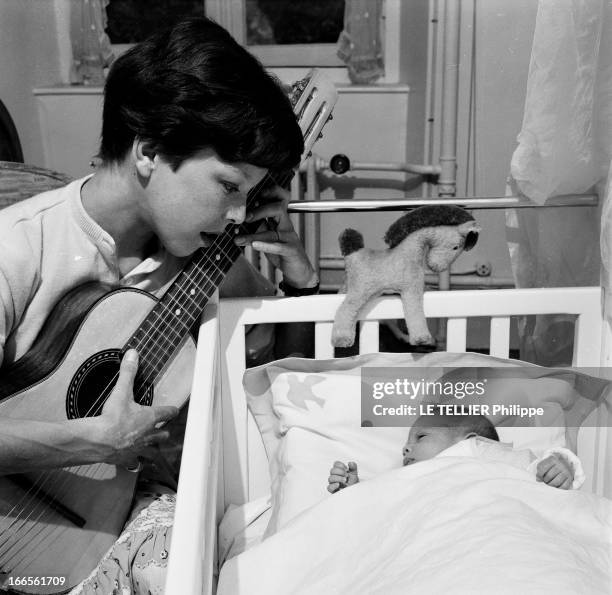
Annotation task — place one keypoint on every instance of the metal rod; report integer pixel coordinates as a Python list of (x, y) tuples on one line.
[(393, 204), (450, 92), (410, 168)]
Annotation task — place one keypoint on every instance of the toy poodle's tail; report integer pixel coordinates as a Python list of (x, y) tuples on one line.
[(350, 241)]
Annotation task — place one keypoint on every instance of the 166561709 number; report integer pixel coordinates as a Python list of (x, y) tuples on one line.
[(38, 581)]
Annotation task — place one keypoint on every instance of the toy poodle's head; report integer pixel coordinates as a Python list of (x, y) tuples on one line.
[(449, 242), (453, 230)]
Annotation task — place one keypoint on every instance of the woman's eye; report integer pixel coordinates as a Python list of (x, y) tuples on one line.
[(229, 188)]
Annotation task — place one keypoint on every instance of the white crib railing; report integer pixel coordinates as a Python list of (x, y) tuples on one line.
[(191, 564)]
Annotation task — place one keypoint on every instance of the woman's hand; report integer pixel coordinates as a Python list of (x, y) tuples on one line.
[(129, 430), (280, 243)]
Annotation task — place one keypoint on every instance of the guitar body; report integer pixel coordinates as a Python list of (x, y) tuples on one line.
[(37, 541)]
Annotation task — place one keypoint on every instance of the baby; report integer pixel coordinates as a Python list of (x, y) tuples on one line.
[(431, 434)]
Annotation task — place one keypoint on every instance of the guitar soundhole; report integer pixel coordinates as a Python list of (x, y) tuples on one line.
[(93, 383)]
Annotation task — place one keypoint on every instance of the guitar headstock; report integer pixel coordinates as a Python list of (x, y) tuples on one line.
[(313, 99)]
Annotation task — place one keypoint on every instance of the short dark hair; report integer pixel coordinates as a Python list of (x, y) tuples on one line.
[(461, 424), (193, 87)]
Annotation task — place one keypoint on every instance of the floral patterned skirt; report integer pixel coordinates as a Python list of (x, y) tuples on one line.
[(137, 561)]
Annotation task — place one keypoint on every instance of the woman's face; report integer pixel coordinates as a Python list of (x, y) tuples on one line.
[(186, 208)]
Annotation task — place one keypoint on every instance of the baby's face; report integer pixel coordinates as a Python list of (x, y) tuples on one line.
[(425, 442)]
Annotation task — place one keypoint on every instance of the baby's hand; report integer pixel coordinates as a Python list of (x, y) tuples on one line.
[(555, 471), (341, 476)]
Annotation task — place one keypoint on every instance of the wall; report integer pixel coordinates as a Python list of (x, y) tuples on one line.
[(29, 57)]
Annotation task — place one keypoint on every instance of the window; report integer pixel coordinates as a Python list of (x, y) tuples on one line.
[(299, 21), (307, 30), (281, 33)]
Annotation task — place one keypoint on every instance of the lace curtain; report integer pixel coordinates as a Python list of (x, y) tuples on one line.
[(565, 147), (359, 44), (91, 48)]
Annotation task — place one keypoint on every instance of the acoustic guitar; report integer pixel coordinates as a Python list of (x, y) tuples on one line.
[(56, 525)]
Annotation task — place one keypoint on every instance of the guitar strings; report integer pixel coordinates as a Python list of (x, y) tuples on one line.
[(36, 508), (96, 467), (57, 529)]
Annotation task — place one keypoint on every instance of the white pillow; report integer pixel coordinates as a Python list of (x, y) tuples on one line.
[(309, 414)]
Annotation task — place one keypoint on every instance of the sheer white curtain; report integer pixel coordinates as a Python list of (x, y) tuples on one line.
[(564, 147)]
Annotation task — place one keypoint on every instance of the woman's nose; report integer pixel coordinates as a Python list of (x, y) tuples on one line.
[(236, 214)]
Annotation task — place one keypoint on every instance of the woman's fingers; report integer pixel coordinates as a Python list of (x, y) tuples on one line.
[(272, 205), (269, 237)]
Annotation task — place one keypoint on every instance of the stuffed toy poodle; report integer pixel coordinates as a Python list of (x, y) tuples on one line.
[(432, 236)]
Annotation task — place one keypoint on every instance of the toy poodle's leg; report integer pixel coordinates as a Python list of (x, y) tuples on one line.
[(412, 300), (345, 322)]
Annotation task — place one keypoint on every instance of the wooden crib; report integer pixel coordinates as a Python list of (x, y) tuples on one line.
[(223, 459)]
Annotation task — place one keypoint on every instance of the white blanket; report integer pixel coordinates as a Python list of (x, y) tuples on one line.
[(447, 525)]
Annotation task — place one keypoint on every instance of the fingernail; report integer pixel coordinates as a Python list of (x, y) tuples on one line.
[(240, 241), (131, 355)]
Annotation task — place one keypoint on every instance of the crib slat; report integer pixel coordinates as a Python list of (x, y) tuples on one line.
[(323, 345), (368, 336), (500, 336), (456, 331)]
